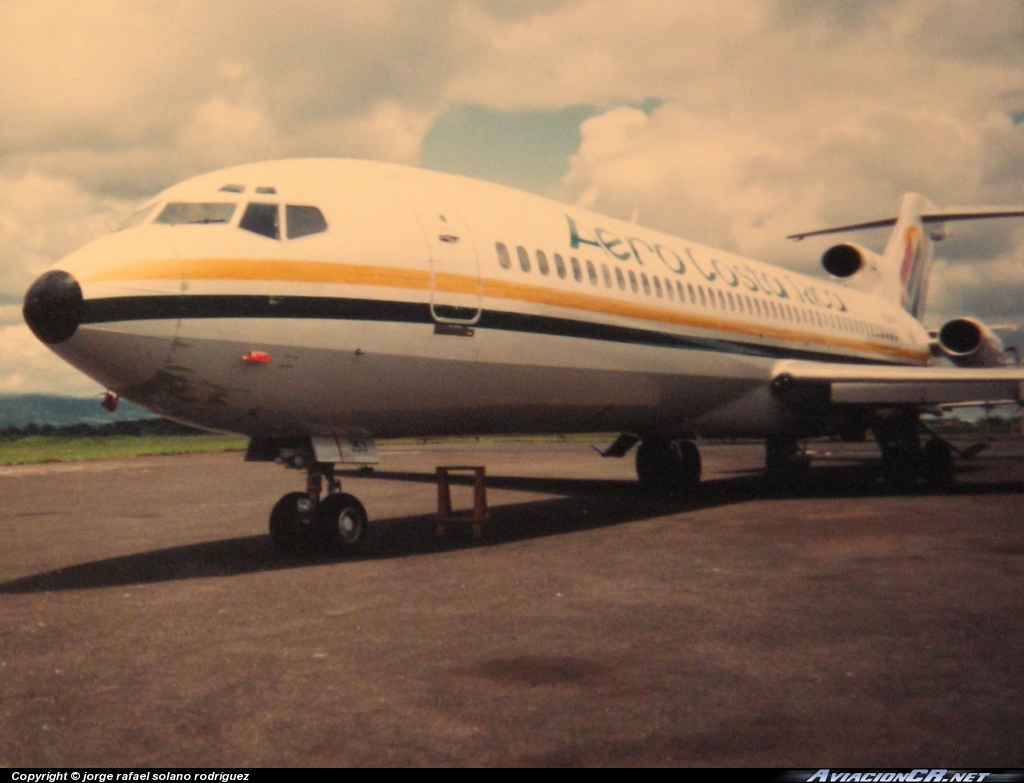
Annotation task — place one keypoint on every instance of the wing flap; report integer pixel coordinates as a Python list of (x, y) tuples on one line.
[(857, 384)]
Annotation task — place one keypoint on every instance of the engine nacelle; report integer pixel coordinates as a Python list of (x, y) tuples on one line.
[(856, 266), (969, 343)]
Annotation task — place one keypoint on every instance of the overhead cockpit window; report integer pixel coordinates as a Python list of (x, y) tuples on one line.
[(233, 189), (303, 221), (178, 212), (266, 191), (261, 219)]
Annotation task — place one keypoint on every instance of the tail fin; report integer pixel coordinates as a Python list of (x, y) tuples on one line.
[(907, 260), (908, 256)]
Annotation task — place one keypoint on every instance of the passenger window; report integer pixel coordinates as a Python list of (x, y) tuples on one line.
[(670, 290), (503, 257), (620, 279), (560, 266), (632, 281), (303, 221), (576, 271), (657, 286), (542, 262), (591, 273), (524, 259), (607, 276), (261, 219)]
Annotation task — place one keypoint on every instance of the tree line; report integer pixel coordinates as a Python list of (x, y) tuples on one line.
[(154, 426)]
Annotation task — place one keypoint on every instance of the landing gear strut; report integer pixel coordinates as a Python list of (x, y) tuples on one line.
[(304, 523), (668, 466)]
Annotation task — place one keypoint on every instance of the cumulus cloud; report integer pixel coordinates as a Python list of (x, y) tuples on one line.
[(30, 367), (42, 218), (807, 114)]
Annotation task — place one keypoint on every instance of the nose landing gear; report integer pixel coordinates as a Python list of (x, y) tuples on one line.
[(303, 523)]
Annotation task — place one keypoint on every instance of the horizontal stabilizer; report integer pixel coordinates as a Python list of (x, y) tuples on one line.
[(946, 215)]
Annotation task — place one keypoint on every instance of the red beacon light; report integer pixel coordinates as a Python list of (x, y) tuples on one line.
[(256, 357)]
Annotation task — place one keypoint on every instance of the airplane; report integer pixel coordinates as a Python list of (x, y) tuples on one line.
[(315, 305)]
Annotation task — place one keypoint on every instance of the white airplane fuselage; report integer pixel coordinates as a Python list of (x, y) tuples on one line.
[(432, 304)]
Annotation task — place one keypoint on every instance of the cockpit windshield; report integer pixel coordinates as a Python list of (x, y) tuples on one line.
[(178, 212)]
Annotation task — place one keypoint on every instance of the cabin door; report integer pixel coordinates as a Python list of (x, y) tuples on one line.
[(454, 269), (455, 287)]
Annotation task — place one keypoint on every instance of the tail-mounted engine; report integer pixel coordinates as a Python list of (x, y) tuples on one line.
[(856, 266), (969, 343)]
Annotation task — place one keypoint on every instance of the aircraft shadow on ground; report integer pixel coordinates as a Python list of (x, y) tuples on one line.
[(583, 504)]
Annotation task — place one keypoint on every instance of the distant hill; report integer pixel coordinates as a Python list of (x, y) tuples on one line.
[(20, 410)]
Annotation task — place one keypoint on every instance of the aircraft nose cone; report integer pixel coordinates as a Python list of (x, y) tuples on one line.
[(53, 307)]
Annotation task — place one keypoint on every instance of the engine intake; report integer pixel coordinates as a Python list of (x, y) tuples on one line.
[(843, 261), (969, 343)]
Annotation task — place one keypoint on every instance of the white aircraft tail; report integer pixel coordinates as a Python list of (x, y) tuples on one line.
[(905, 266), (907, 261)]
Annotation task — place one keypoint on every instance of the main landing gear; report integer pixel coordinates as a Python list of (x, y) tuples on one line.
[(304, 523), (905, 459), (664, 465), (785, 460)]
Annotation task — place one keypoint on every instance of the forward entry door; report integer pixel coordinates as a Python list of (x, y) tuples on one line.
[(454, 269)]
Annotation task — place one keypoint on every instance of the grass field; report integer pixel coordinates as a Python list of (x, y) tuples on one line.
[(45, 448)]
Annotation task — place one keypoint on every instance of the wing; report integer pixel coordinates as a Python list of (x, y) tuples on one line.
[(866, 384)]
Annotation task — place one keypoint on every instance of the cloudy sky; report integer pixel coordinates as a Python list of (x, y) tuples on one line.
[(732, 122)]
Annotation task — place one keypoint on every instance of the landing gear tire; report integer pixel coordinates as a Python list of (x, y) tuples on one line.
[(937, 464), (342, 523), (292, 524), (901, 465), (668, 466)]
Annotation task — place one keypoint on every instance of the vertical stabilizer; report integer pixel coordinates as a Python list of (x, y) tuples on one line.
[(907, 260)]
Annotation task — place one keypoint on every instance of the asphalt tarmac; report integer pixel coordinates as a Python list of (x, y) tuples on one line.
[(146, 620)]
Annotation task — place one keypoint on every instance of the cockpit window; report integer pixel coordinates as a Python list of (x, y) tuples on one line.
[(232, 188), (177, 212), (261, 219), (303, 221)]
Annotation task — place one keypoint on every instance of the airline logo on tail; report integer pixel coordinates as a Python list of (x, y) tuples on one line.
[(912, 271)]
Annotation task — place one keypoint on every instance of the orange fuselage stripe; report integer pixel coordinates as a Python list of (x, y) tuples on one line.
[(264, 270)]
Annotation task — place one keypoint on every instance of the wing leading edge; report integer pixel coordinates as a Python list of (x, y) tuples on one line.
[(857, 384)]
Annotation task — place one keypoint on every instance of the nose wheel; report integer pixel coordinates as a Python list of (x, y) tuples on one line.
[(303, 523), (342, 520)]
